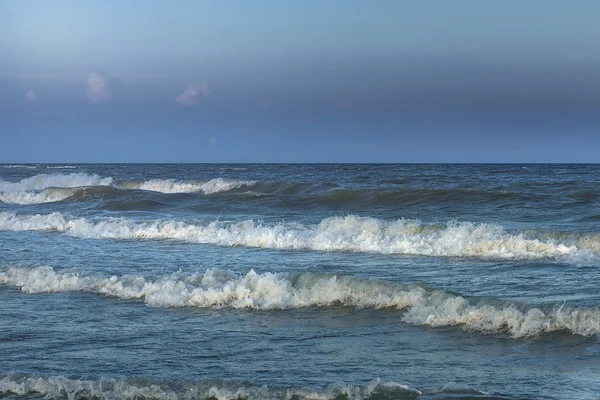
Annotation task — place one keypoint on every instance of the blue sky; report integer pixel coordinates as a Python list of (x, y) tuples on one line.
[(291, 81)]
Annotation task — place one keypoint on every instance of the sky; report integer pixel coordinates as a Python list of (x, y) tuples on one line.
[(299, 81)]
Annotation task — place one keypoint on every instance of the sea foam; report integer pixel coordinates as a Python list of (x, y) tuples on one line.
[(350, 233), (109, 388), (281, 291), (19, 166), (49, 195), (43, 181), (47, 188), (172, 186)]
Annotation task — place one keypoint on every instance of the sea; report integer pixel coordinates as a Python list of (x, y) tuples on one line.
[(299, 281)]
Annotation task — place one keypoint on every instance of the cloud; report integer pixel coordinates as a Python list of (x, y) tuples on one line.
[(101, 87), (31, 97), (193, 95)]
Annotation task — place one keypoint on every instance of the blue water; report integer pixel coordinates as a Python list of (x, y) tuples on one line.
[(300, 281)]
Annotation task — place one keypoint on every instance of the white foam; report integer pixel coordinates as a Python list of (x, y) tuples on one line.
[(107, 388), (38, 222), (350, 233), (44, 188), (279, 291), (49, 195), (173, 186), (19, 166), (62, 166), (43, 181), (168, 186)]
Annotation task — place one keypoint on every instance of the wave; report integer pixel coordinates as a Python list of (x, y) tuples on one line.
[(54, 194), (172, 186), (142, 389), (47, 188), (282, 291), (409, 196), (44, 181), (351, 233), (30, 197), (19, 166), (62, 166), (289, 193)]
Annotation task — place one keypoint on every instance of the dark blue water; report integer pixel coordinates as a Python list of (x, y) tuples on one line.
[(300, 281)]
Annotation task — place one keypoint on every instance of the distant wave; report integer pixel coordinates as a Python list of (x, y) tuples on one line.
[(293, 194), (350, 233), (280, 291), (44, 181), (172, 186), (19, 166), (62, 166), (53, 194), (46, 188), (146, 389)]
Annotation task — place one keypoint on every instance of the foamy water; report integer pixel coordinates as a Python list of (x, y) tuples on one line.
[(48, 188), (351, 233), (107, 388), (273, 291), (262, 281), (172, 186), (43, 181)]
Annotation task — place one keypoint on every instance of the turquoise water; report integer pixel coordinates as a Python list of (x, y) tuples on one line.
[(300, 281)]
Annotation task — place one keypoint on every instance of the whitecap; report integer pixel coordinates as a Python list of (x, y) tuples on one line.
[(282, 291)]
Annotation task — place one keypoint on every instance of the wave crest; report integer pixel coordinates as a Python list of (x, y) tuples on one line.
[(43, 181), (173, 186), (350, 233), (47, 188), (280, 291), (108, 388), (30, 197)]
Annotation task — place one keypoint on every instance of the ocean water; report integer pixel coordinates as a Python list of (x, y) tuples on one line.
[(299, 281)]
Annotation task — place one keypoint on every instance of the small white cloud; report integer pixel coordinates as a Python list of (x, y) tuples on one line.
[(31, 96), (193, 95), (212, 140), (100, 86)]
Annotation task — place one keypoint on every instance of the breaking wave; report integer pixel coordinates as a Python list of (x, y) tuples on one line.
[(351, 233), (172, 186), (47, 188), (30, 197), (19, 166), (43, 181), (54, 194), (142, 389), (294, 194), (282, 291), (44, 188)]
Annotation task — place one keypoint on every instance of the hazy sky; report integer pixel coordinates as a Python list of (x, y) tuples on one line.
[(294, 81)]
